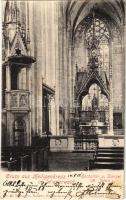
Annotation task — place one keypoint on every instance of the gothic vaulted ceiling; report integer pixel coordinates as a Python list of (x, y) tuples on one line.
[(111, 10)]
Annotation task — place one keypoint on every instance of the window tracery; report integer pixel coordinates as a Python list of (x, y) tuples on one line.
[(100, 29), (97, 41)]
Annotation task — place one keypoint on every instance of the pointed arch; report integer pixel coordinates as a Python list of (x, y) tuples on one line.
[(91, 79)]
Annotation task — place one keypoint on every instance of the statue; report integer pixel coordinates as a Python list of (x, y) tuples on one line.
[(94, 103), (95, 108)]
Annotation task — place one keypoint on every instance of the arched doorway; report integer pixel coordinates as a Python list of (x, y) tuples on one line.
[(19, 129)]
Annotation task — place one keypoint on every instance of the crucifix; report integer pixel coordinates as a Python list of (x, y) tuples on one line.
[(94, 90)]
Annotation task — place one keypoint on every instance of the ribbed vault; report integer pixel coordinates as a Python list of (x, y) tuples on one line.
[(110, 10)]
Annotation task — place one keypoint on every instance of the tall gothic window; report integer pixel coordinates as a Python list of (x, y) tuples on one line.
[(99, 33), (97, 42)]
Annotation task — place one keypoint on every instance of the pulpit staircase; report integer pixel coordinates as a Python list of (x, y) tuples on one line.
[(109, 158)]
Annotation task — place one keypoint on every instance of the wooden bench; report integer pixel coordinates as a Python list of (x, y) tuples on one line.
[(25, 163), (25, 158), (12, 165)]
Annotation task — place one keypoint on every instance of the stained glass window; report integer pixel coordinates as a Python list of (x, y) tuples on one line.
[(99, 32), (100, 29)]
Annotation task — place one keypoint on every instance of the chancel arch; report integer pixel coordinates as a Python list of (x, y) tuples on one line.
[(94, 91), (93, 49)]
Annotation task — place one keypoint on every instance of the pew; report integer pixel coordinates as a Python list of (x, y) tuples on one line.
[(25, 158), (25, 163), (34, 161), (46, 154), (12, 165)]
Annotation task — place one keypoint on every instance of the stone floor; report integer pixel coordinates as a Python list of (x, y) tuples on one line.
[(69, 161)]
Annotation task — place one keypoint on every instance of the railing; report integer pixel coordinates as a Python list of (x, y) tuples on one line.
[(17, 100), (86, 142), (118, 132)]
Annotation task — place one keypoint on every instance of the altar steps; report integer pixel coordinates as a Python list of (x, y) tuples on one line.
[(109, 158)]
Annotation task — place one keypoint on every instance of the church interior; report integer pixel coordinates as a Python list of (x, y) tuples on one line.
[(63, 85)]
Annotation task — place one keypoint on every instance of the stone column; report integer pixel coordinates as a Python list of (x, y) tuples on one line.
[(66, 71), (111, 114), (24, 79), (60, 69), (28, 87), (57, 69), (52, 116), (123, 76), (9, 115), (107, 119), (27, 78), (50, 110), (38, 38), (32, 78), (8, 78), (110, 132)]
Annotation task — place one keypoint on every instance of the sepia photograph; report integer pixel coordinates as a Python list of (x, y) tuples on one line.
[(63, 85)]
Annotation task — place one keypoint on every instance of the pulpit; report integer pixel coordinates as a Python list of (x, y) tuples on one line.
[(17, 98)]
